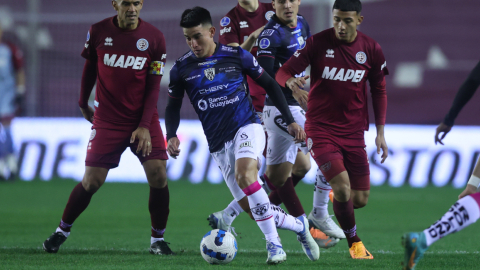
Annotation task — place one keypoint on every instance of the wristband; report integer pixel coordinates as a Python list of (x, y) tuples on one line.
[(474, 181)]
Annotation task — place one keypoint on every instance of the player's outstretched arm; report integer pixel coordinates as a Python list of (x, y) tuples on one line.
[(381, 143), (172, 121), (89, 77), (252, 38)]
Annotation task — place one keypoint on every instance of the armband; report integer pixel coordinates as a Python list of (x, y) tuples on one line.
[(157, 67)]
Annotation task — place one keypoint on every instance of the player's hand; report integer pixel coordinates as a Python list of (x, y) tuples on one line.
[(297, 85), (144, 140), (302, 97), (172, 148), (381, 144), (257, 32), (297, 131), (88, 113), (442, 128), (469, 189)]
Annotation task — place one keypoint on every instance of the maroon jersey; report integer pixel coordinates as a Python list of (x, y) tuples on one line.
[(127, 63), (235, 27), (337, 102)]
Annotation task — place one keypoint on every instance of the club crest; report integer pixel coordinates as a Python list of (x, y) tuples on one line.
[(209, 73), (361, 57)]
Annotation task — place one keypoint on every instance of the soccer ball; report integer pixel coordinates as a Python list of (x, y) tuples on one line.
[(218, 247)]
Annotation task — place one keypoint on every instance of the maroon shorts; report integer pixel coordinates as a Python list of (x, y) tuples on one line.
[(334, 155), (106, 146)]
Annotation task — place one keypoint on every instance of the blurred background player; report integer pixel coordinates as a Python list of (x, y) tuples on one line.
[(466, 210), (12, 90), (213, 76), (342, 60), (125, 56)]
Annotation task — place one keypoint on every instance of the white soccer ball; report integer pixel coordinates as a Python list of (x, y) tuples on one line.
[(218, 247)]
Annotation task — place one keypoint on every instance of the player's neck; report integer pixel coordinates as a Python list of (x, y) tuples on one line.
[(353, 38), (291, 24), (250, 7)]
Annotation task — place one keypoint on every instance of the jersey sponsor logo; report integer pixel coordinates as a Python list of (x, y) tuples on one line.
[(281, 123), (108, 41), (185, 56), (225, 21), (291, 46), (207, 63), (209, 73), (142, 44), (246, 144), (361, 57), (260, 52), (264, 43), (225, 30), (88, 36), (243, 24), (301, 42), (192, 77), (269, 15), (213, 89), (123, 61), (330, 53), (267, 32), (342, 75), (219, 102), (157, 68), (296, 31), (229, 49), (202, 105)]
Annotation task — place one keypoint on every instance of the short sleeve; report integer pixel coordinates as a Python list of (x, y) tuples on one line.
[(17, 56), (250, 65), (268, 43), (89, 51), (176, 88), (228, 31), (159, 57)]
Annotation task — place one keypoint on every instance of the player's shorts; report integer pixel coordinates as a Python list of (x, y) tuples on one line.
[(249, 142), (334, 155), (280, 145), (106, 146), (7, 104)]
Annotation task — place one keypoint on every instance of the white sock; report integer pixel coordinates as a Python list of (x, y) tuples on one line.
[(320, 196), (261, 211), (231, 212), (66, 234), (463, 213), (153, 240), (285, 221)]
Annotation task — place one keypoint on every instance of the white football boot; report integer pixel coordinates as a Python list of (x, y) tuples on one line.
[(276, 254), (216, 221), (309, 245), (327, 226)]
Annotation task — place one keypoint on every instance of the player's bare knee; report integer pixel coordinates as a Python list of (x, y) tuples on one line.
[(301, 171), (360, 198), (91, 184), (157, 177), (244, 179)]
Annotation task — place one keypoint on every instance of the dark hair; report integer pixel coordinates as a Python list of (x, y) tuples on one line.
[(348, 5), (194, 17)]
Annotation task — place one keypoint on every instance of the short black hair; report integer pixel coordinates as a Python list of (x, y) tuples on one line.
[(195, 16), (348, 5)]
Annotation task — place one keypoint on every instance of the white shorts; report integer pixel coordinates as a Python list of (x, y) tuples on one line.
[(249, 142), (280, 145)]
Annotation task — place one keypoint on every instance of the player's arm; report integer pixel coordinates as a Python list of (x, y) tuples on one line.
[(378, 90), (17, 60), (252, 38), (89, 76), (285, 76), (172, 112), (464, 94)]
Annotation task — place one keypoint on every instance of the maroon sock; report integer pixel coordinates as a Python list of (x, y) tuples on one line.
[(158, 205), (275, 197), (77, 203), (290, 199), (346, 218), (269, 184), (296, 179)]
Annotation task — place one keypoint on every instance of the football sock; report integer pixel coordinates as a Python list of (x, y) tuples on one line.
[(290, 199), (66, 234), (320, 197), (261, 211), (463, 213), (346, 217), (153, 239), (158, 205), (285, 221), (77, 203), (275, 197), (231, 212)]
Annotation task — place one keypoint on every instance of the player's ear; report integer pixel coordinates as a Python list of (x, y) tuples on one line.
[(115, 5), (212, 31), (360, 19)]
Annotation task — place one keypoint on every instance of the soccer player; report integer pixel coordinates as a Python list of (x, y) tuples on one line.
[(125, 56), (12, 90), (214, 77), (466, 210), (342, 60)]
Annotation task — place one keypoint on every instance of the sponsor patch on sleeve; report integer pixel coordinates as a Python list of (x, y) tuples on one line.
[(157, 67), (267, 32)]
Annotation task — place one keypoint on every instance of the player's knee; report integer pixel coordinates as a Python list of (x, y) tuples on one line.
[(302, 170), (360, 199), (157, 177), (91, 183), (244, 179), (341, 191)]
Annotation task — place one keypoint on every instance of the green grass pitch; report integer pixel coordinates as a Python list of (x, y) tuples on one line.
[(114, 231)]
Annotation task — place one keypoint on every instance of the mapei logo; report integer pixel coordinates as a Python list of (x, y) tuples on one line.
[(243, 24), (343, 75), (123, 61), (330, 53), (108, 41)]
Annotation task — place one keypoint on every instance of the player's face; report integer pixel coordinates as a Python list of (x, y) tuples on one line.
[(200, 40), (287, 10), (345, 24), (128, 12)]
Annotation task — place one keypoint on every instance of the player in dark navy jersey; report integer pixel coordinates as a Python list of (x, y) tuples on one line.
[(214, 77)]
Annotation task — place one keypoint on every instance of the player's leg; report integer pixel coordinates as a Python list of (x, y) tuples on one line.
[(8, 149), (155, 166), (473, 183), (3, 164), (462, 214)]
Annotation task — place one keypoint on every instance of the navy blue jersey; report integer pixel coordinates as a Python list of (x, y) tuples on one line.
[(217, 88), (280, 42)]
